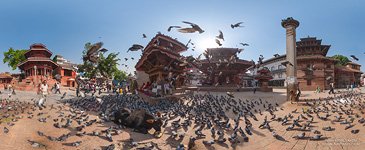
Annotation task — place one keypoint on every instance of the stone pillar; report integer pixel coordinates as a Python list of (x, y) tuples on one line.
[(290, 25)]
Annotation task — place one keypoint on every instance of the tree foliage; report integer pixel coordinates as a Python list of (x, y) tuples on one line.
[(87, 67), (108, 65), (342, 60), (120, 75), (14, 57)]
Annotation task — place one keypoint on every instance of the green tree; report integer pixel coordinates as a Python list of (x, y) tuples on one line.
[(87, 67), (107, 66), (342, 60), (120, 75), (14, 57)]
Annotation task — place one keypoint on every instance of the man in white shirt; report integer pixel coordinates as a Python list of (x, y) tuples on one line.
[(44, 92)]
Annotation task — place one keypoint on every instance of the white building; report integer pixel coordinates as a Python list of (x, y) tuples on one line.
[(277, 69)]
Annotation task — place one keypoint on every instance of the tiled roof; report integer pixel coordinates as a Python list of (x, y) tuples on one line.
[(5, 76), (346, 69), (35, 59)]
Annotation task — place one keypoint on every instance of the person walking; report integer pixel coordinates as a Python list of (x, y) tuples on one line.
[(44, 91), (331, 89), (58, 88)]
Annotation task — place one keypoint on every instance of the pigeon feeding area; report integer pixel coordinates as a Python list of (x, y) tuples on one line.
[(204, 120)]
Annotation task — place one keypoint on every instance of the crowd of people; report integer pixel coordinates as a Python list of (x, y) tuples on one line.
[(157, 89)]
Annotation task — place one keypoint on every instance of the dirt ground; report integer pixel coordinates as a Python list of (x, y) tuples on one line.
[(26, 129)]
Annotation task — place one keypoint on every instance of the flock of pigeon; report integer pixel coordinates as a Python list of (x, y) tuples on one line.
[(218, 40), (221, 120), (192, 29)]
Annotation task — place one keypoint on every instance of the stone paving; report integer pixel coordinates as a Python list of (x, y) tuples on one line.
[(26, 129)]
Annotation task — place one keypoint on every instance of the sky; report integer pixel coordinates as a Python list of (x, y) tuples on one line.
[(64, 26)]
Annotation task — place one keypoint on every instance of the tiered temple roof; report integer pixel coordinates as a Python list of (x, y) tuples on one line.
[(36, 54), (311, 46)]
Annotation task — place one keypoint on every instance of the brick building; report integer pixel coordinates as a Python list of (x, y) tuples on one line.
[(66, 71), (39, 66), (314, 67), (5, 79)]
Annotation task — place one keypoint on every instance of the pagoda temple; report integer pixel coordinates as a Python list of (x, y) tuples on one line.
[(161, 58), (223, 66), (38, 61), (315, 69)]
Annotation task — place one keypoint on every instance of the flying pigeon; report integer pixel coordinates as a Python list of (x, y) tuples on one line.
[(285, 63), (218, 42), (135, 47), (92, 54), (194, 28), (220, 36), (236, 25), (244, 44), (170, 27), (354, 57)]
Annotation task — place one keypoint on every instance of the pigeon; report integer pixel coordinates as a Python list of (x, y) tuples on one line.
[(144, 35), (40, 102), (92, 54), (135, 47), (103, 50), (244, 44), (355, 131), (40, 133), (354, 57), (300, 136), (277, 136), (230, 94), (208, 143), (220, 36), (36, 144), (236, 25), (180, 147), (170, 27), (316, 137), (276, 55), (191, 143), (63, 96), (6, 130), (348, 126), (218, 42), (110, 147), (76, 144), (109, 136), (194, 28), (248, 131), (328, 128), (285, 63)]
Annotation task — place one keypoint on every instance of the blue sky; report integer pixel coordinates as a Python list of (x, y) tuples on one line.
[(65, 26)]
